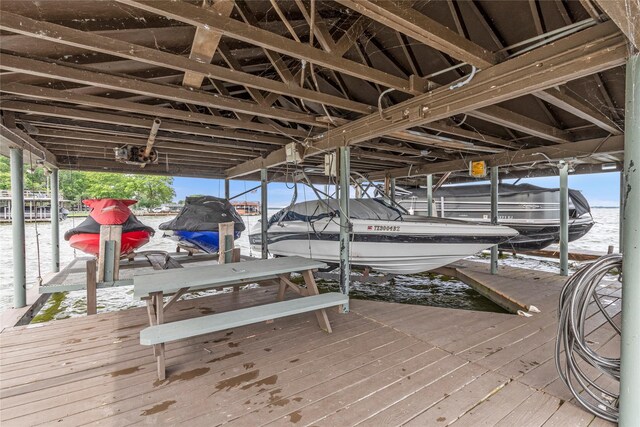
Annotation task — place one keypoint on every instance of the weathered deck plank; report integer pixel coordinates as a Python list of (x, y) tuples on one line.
[(385, 364)]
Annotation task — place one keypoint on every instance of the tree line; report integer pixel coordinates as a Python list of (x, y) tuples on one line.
[(149, 190)]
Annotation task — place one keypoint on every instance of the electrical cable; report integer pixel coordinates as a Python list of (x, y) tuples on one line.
[(575, 299)]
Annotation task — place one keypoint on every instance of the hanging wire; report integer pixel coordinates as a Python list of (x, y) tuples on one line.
[(31, 167), (575, 298), (382, 94)]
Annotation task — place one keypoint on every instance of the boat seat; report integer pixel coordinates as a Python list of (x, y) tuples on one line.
[(188, 328)]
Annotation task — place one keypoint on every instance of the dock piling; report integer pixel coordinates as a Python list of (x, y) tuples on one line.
[(17, 220), (620, 210), (564, 218), (494, 216), (630, 341), (430, 195), (392, 189), (345, 225), (263, 215), (55, 221)]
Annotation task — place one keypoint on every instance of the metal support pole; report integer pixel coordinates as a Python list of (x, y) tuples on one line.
[(17, 220), (227, 191), (430, 195), (392, 189), (620, 210), (55, 222), (564, 219), (264, 216), (494, 216), (630, 341), (345, 224)]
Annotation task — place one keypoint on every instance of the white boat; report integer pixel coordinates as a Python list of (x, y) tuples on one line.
[(384, 238)]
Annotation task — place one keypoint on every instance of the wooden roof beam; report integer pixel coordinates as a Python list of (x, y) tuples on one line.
[(95, 42), (509, 119), (572, 58), (423, 29), (205, 43), (546, 153), (230, 136), (428, 140), (193, 15), (561, 99), (458, 131), (142, 87), (86, 150), (103, 165), (161, 143), (44, 93), (11, 136), (625, 14)]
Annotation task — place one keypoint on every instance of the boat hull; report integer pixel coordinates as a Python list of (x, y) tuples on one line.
[(533, 211), (398, 247)]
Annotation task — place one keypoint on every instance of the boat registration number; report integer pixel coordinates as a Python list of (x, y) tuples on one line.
[(384, 228)]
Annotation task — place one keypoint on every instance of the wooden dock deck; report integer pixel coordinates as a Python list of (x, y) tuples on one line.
[(385, 364)]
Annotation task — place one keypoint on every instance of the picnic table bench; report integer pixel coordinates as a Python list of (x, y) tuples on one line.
[(154, 286)]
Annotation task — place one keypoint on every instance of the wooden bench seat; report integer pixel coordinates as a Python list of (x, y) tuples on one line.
[(232, 319)]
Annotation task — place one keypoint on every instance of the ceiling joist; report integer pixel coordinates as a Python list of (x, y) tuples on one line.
[(542, 68)]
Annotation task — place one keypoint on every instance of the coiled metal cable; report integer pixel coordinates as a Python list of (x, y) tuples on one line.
[(579, 291)]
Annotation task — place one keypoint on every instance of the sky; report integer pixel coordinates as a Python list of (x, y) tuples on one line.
[(602, 189)]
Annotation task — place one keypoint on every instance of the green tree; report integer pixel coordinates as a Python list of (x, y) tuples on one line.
[(152, 191), (35, 178), (149, 190)]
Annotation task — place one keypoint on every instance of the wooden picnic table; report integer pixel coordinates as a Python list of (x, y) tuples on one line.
[(153, 287)]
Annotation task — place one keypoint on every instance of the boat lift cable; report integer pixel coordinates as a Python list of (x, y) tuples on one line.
[(576, 296), (31, 167)]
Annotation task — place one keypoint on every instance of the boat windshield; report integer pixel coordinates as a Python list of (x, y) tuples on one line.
[(315, 210)]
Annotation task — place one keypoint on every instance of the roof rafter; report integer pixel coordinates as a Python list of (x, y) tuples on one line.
[(205, 43), (95, 42), (589, 147), (11, 136), (134, 107), (509, 119), (532, 72), (561, 99), (423, 29), (117, 119), (142, 87), (253, 35), (625, 14)]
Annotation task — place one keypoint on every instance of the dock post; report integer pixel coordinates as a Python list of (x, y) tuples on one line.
[(227, 192), (430, 195), (564, 218), (263, 213), (630, 341), (392, 189), (494, 216), (55, 222), (620, 210), (345, 224), (17, 221)]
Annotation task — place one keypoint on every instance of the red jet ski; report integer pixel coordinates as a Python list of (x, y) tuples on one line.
[(86, 236)]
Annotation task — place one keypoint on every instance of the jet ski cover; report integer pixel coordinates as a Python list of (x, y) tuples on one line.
[(204, 213)]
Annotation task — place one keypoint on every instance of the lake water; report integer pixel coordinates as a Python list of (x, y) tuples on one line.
[(425, 289)]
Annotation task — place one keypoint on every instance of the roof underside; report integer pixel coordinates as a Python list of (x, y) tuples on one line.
[(414, 87)]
